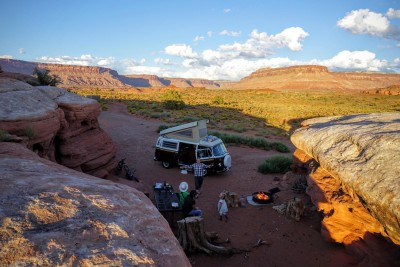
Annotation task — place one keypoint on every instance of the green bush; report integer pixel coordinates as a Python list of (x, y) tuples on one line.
[(275, 164), (4, 135), (218, 100), (280, 147), (44, 78), (162, 127), (172, 100), (29, 132), (251, 141)]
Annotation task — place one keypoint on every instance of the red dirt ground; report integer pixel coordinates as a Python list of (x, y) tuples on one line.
[(289, 243)]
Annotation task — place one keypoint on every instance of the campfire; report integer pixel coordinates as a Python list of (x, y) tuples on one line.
[(261, 197)]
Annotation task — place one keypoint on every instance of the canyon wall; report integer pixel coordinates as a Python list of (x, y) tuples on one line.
[(88, 76)]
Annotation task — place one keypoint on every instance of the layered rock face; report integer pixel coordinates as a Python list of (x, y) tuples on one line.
[(70, 75), (88, 76), (310, 77), (54, 216), (56, 124), (354, 178)]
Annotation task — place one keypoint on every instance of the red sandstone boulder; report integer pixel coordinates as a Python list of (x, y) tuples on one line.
[(58, 125)]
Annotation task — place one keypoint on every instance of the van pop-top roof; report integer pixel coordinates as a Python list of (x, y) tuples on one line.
[(191, 132)]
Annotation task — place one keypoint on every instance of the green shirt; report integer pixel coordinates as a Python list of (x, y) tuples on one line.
[(182, 196)]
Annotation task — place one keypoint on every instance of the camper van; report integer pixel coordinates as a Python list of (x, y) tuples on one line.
[(184, 144)]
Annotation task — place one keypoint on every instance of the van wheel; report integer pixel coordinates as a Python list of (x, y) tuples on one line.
[(166, 164)]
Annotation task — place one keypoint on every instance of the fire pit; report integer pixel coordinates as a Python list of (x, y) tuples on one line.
[(262, 197)]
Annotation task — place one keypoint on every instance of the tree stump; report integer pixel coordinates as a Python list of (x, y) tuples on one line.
[(192, 237)]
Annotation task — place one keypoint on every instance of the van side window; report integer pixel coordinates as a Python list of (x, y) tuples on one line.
[(170, 145), (204, 152)]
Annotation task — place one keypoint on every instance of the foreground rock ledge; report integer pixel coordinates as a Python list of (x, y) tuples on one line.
[(362, 152), (54, 216)]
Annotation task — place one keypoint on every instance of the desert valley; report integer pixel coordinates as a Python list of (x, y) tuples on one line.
[(62, 203)]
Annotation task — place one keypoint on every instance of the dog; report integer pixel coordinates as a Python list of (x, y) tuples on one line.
[(295, 208), (231, 198)]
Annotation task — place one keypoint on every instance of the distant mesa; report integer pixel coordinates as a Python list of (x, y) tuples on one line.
[(310, 77), (304, 77), (80, 76)]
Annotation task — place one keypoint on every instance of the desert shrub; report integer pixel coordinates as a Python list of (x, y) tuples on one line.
[(4, 135), (275, 164), (172, 100), (251, 141), (280, 147), (45, 78), (162, 127), (218, 100), (29, 132), (187, 119), (160, 115)]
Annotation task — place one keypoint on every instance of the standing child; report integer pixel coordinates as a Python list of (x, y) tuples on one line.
[(222, 207)]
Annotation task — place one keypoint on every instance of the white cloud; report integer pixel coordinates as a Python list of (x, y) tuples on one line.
[(230, 33), (83, 60), (393, 14), (163, 61), (106, 62), (142, 70), (290, 37), (6, 56), (227, 10), (198, 38), (21, 50), (363, 21), (356, 60), (180, 50), (209, 33)]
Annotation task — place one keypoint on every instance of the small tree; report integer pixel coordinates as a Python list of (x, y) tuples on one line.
[(45, 78)]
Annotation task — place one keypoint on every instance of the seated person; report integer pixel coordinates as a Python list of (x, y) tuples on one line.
[(183, 187), (189, 209)]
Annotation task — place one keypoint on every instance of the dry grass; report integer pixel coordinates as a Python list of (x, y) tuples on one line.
[(257, 112)]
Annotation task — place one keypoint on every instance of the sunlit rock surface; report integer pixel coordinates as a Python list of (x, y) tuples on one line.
[(354, 176), (54, 216)]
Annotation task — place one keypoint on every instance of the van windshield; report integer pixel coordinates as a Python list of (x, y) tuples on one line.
[(219, 150)]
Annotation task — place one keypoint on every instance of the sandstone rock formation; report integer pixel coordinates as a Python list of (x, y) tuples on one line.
[(391, 90), (88, 76), (354, 178), (314, 78), (58, 125), (54, 216)]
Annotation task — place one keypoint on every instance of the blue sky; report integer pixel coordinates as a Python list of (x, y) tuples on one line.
[(217, 40)]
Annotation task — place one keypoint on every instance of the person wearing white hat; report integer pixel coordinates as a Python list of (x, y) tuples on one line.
[(183, 188)]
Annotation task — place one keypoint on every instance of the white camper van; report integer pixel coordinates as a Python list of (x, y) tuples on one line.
[(183, 144)]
